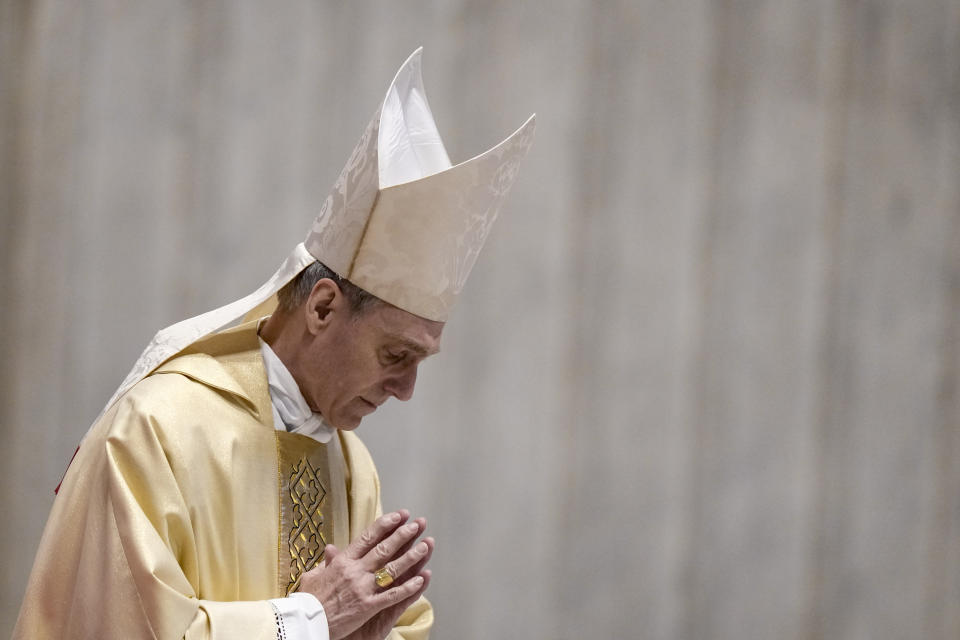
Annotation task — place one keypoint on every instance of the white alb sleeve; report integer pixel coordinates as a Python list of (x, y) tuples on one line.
[(300, 616)]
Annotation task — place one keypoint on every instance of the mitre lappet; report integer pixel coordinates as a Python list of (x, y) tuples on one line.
[(401, 222)]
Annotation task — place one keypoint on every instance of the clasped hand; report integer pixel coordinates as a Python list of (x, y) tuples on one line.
[(356, 608)]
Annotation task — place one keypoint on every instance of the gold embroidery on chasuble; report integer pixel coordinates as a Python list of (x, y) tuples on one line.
[(307, 507), (306, 538)]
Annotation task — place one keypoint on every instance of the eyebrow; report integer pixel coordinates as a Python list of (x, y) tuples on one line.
[(412, 346)]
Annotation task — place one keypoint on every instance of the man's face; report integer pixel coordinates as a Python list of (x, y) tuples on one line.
[(362, 359)]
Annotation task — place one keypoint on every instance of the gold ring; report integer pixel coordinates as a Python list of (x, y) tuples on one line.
[(383, 577)]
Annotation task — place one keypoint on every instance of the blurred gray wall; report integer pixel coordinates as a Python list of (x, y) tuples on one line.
[(704, 380)]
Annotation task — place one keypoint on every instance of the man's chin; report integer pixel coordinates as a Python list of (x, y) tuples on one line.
[(358, 410), (348, 423)]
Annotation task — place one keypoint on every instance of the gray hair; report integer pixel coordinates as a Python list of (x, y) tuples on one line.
[(295, 293)]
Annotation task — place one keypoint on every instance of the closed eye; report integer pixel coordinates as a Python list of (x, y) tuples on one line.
[(393, 357)]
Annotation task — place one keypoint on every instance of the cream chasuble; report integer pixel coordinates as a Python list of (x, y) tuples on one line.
[(185, 511)]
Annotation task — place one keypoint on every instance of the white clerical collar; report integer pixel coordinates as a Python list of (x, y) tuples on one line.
[(290, 408)]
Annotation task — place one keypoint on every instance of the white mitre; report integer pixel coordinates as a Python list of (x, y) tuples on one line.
[(404, 224), (401, 222)]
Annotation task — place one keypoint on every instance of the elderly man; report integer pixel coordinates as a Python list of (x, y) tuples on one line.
[(222, 493)]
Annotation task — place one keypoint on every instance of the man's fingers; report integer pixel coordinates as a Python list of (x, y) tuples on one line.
[(396, 610), (329, 553), (422, 564), (409, 544), (411, 562), (375, 533), (388, 548), (426, 574), (399, 594)]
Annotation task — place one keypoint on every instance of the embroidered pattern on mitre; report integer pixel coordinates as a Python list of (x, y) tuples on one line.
[(401, 222)]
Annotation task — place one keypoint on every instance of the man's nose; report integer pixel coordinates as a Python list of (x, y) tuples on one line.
[(401, 385)]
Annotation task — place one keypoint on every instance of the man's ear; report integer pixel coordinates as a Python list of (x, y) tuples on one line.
[(324, 302)]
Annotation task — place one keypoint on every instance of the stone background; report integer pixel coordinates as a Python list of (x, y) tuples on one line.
[(705, 380)]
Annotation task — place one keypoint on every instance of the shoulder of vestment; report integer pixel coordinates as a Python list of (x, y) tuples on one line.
[(229, 363)]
